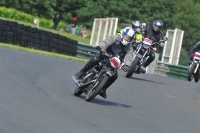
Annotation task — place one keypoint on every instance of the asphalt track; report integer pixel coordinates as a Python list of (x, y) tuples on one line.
[(36, 96)]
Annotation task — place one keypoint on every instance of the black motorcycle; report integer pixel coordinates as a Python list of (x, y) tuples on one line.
[(95, 80), (193, 71), (141, 55)]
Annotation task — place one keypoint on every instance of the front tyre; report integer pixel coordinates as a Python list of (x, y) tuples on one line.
[(191, 72), (99, 85), (132, 67), (196, 78)]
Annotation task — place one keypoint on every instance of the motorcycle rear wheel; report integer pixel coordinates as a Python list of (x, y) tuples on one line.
[(98, 87), (132, 67), (191, 72)]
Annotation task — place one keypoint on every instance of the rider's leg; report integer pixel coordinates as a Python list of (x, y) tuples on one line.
[(151, 58), (109, 83), (93, 61)]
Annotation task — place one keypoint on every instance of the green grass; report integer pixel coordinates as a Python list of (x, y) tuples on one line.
[(56, 55), (64, 33)]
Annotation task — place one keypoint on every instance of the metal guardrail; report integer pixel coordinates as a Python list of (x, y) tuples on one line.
[(169, 70), (161, 68), (178, 72), (85, 50)]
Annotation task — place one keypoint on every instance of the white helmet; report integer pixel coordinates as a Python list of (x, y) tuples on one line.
[(127, 36)]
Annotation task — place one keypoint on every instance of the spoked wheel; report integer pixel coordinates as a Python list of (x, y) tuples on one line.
[(98, 86)]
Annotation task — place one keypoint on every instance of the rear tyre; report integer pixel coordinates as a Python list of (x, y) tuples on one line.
[(191, 72), (98, 87), (132, 67)]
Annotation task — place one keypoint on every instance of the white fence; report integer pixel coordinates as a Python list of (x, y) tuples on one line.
[(102, 28), (171, 51)]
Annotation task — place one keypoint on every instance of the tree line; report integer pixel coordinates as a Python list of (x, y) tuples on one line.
[(181, 14)]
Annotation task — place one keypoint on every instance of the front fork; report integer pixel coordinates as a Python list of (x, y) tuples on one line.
[(196, 68), (143, 59)]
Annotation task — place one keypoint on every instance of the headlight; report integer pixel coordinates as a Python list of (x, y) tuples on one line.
[(146, 46)]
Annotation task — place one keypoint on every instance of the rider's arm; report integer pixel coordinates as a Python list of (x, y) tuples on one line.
[(145, 32), (129, 55), (107, 42), (195, 47)]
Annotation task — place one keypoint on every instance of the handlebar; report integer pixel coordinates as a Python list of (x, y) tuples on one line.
[(160, 41), (105, 54)]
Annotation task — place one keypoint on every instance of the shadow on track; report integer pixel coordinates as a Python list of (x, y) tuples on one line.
[(107, 103)]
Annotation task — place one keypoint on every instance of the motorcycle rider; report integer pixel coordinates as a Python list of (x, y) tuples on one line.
[(113, 45), (193, 49), (154, 33), (136, 26)]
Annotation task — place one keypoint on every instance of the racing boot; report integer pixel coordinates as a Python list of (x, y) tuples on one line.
[(79, 74), (82, 72), (87, 67), (103, 94)]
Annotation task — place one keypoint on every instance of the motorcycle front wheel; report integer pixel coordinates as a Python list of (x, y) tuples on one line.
[(132, 67), (98, 86), (191, 72), (196, 79)]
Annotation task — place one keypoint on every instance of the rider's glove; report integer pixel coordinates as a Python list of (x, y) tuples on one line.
[(125, 68), (155, 49), (162, 44), (105, 54)]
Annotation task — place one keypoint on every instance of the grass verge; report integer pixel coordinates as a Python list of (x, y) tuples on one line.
[(32, 50)]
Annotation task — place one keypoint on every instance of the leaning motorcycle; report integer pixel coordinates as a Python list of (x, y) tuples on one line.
[(193, 71), (95, 80), (141, 55)]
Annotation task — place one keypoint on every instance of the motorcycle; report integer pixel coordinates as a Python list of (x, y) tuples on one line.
[(141, 55), (95, 80), (193, 71)]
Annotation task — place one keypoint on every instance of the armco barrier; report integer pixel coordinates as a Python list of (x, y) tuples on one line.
[(169, 70), (85, 50), (178, 72), (26, 36)]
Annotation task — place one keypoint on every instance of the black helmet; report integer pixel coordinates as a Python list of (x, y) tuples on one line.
[(157, 25), (135, 24)]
